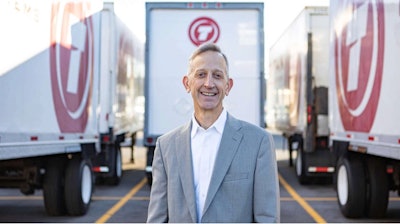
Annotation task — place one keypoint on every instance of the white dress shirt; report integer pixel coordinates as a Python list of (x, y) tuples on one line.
[(205, 144)]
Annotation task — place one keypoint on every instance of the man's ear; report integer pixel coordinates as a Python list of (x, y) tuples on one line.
[(185, 82), (229, 86)]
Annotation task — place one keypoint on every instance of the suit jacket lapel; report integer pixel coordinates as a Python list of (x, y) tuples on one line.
[(185, 168), (230, 141)]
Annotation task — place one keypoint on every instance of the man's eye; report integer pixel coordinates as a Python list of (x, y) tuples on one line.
[(200, 75), (218, 75)]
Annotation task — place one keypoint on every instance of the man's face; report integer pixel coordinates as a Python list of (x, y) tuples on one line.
[(208, 82)]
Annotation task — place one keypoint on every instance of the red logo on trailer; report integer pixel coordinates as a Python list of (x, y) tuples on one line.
[(71, 57), (203, 29), (359, 49)]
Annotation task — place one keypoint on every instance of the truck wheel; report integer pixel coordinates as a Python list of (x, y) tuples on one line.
[(351, 187), (300, 168), (78, 186), (377, 188), (53, 188), (149, 163), (116, 172)]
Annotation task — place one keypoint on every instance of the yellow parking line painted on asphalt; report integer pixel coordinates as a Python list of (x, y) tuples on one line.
[(301, 201), (122, 202), (311, 199), (110, 198)]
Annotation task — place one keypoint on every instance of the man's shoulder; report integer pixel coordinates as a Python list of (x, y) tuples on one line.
[(245, 126), (176, 131)]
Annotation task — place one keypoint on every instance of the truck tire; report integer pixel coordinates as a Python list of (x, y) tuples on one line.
[(350, 186), (301, 167), (78, 186), (149, 163), (53, 188), (116, 167), (377, 188)]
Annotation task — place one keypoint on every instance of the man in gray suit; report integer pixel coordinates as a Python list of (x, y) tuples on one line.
[(215, 168)]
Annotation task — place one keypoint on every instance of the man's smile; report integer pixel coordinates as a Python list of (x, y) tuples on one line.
[(208, 94)]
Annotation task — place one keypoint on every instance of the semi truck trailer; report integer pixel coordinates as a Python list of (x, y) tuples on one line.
[(173, 31), (363, 108), (69, 74), (297, 93)]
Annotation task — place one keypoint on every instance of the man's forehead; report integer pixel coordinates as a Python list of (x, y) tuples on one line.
[(209, 55), (209, 61)]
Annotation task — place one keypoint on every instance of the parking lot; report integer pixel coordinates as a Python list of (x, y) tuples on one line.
[(127, 203)]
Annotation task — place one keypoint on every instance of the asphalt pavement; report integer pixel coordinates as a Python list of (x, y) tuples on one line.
[(128, 202)]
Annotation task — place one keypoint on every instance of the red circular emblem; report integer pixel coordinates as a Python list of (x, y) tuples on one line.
[(71, 64), (203, 29), (359, 52)]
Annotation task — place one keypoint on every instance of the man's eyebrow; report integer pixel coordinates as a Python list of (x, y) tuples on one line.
[(213, 70)]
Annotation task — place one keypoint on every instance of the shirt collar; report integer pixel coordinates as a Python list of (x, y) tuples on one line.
[(219, 124)]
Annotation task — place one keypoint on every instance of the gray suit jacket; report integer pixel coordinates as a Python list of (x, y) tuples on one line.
[(244, 185)]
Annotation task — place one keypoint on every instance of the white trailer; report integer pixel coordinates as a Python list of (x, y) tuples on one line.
[(297, 93), (173, 31), (364, 111), (68, 79)]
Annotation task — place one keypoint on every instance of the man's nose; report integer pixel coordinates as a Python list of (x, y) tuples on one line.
[(209, 82)]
